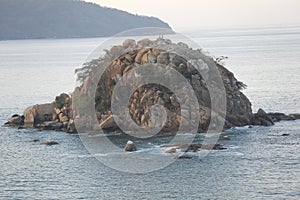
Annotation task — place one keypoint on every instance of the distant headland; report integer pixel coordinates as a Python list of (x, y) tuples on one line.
[(56, 19)]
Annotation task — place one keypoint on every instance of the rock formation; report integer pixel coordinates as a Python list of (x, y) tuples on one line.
[(69, 114), (160, 52), (51, 116)]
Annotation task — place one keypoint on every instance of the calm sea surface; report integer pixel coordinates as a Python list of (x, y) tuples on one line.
[(259, 163)]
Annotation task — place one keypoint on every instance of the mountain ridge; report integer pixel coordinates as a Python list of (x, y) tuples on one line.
[(55, 19)]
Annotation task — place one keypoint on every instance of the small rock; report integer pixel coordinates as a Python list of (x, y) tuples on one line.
[(285, 134), (50, 143), (130, 146)]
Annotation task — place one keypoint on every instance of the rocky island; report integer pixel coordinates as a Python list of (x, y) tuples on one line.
[(67, 114)]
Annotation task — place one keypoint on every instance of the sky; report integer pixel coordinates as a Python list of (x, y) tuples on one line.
[(194, 14)]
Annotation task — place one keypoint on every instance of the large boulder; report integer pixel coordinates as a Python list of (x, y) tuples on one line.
[(129, 43), (38, 114), (62, 100), (109, 123)]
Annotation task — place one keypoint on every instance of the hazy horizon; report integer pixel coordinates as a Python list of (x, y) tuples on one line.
[(191, 14)]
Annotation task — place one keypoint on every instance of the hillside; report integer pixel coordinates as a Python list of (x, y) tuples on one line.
[(34, 19)]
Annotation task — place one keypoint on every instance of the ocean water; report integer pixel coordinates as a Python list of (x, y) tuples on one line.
[(259, 163)]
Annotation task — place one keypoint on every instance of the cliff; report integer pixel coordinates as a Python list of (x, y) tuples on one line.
[(35, 19)]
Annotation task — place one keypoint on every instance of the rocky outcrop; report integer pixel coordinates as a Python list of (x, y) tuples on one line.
[(160, 52), (261, 118), (51, 116), (120, 60)]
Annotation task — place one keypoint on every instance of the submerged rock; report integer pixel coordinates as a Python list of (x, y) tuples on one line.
[(224, 138), (50, 143)]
